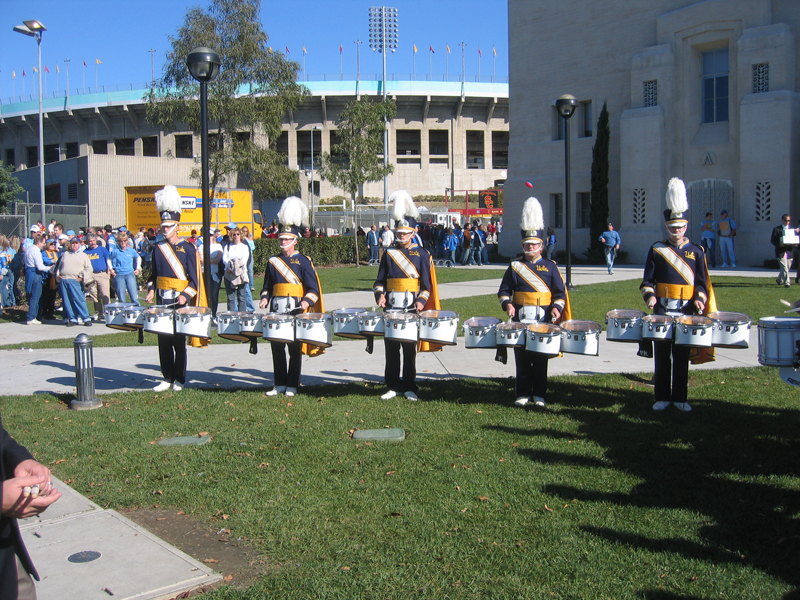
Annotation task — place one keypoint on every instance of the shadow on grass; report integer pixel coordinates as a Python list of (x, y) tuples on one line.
[(716, 462)]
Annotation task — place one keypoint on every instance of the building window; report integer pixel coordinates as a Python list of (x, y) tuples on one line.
[(651, 92), (33, 156), (216, 142), (439, 146), (557, 210), (304, 148), (408, 146), (72, 191), (183, 146), (587, 124), (338, 158), (52, 153), (760, 78), (124, 147), (242, 136), (499, 149), (715, 86), (99, 146), (11, 158), (584, 209), (475, 149), (282, 146), (52, 194), (73, 150), (150, 146), (558, 125)]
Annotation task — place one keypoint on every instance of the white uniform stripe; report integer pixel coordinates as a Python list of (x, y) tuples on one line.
[(530, 277), (402, 261), (677, 262), (169, 254), (284, 270)]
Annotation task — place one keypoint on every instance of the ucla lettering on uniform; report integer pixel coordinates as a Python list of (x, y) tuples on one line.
[(542, 268), (413, 253), (180, 249), (689, 255), (295, 261)]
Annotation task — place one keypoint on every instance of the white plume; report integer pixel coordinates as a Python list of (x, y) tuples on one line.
[(168, 199), (293, 212), (676, 196), (532, 216), (403, 205)]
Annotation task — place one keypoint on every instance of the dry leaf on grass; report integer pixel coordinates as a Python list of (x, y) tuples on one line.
[(482, 498), (210, 560), (548, 508)]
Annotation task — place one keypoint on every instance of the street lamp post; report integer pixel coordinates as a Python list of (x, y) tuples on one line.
[(382, 37), (35, 29), (313, 129), (203, 64), (566, 106)]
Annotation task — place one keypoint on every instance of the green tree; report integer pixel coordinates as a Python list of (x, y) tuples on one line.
[(598, 212), (355, 160), (9, 188), (247, 102)]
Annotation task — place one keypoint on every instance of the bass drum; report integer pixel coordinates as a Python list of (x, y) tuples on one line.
[(730, 329), (250, 325), (113, 315), (778, 340), (371, 323), (277, 327), (438, 326), (544, 338), (314, 329), (581, 337), (401, 326), (194, 321), (481, 332), (658, 328), (510, 334), (159, 320), (345, 322), (624, 325), (693, 330), (228, 326)]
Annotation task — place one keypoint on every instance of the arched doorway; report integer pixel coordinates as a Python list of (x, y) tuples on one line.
[(708, 195)]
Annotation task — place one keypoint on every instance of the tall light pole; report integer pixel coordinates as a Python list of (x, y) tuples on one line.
[(382, 37), (313, 129), (203, 64), (35, 29), (566, 106)]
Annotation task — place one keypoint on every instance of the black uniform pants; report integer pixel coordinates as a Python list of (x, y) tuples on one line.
[(172, 355), (531, 373), (283, 376), (392, 372), (671, 362)]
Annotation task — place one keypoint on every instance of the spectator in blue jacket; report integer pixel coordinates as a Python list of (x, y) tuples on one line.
[(450, 246), (611, 241)]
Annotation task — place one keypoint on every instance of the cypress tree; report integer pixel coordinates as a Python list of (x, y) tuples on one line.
[(598, 215)]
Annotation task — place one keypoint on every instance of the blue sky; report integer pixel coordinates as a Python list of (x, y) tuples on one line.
[(119, 33)]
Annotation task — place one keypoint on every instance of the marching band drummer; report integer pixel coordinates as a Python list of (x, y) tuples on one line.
[(175, 281), (291, 286), (675, 283), (532, 290), (406, 282)]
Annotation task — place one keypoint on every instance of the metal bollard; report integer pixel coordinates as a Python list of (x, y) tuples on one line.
[(84, 375)]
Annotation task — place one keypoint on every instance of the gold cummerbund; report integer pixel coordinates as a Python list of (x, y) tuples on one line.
[(295, 290), (171, 283), (402, 285), (533, 298), (674, 291)]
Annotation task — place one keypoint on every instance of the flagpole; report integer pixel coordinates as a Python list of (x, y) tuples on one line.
[(463, 63), (96, 89), (447, 63), (305, 75), (341, 72), (152, 66), (480, 55), (66, 62), (57, 73), (430, 63), (83, 77), (358, 65), (494, 62), (414, 63)]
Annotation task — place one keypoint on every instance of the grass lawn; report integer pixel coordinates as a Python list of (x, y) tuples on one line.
[(597, 497), (350, 279)]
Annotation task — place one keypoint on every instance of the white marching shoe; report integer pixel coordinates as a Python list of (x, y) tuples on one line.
[(411, 396), (389, 395), (162, 387), (539, 401), (521, 401), (278, 389), (290, 392), (683, 406), (177, 387), (661, 405)]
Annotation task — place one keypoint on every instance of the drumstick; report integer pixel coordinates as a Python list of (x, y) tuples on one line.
[(792, 310), (785, 302)]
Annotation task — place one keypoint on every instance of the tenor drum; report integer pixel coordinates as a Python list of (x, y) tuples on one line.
[(371, 323), (250, 325), (544, 338), (778, 339), (314, 329), (510, 334), (401, 326), (438, 326), (730, 329), (624, 325), (277, 327), (133, 316), (481, 332), (194, 321), (345, 322), (282, 305), (658, 328), (113, 315), (228, 326), (159, 320), (580, 337), (693, 330)]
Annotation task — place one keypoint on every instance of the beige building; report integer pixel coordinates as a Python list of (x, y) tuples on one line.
[(445, 135), (706, 91)]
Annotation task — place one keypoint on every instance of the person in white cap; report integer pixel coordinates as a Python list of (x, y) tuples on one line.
[(675, 283), (291, 285), (533, 291)]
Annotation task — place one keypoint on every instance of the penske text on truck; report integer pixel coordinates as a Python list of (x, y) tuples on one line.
[(228, 206)]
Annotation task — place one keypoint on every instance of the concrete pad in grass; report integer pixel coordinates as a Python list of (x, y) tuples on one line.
[(384, 435)]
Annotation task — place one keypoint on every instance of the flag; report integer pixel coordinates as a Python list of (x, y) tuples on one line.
[(23, 73), (34, 70), (448, 48), (494, 50), (57, 69), (415, 48), (479, 51), (431, 49), (46, 70), (84, 62), (13, 74), (287, 50), (304, 49), (97, 61), (171, 57), (340, 49), (269, 49)]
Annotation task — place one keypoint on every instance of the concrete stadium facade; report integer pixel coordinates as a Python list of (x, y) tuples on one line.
[(706, 91), (445, 135)]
